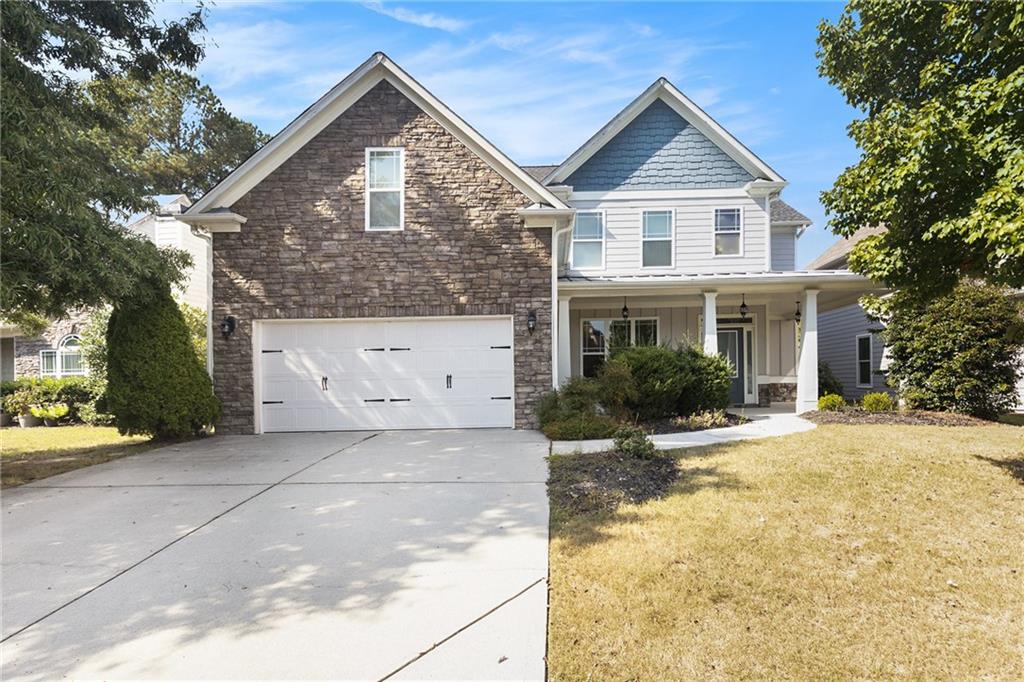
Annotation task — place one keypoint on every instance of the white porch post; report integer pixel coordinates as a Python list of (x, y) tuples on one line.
[(807, 367), (564, 348), (710, 323)]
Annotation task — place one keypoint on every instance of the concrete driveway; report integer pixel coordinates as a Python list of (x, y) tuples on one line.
[(392, 555)]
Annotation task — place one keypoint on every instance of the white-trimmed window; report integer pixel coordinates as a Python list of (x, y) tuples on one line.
[(63, 361), (656, 239), (864, 361), (728, 232), (587, 250), (601, 337), (385, 188)]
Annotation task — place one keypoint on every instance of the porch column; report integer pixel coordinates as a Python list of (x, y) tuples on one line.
[(710, 323), (807, 366), (564, 348)]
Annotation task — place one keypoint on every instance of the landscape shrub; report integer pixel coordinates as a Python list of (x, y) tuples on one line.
[(957, 353), (659, 379), (831, 403), (51, 412), (579, 396), (878, 402), (581, 427), (827, 381), (633, 442), (155, 383), (617, 391), (708, 419), (706, 380)]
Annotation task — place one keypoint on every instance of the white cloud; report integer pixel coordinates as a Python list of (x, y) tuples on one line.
[(424, 19)]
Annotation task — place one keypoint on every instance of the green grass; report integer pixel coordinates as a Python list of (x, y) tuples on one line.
[(1014, 418), (847, 552), (30, 454)]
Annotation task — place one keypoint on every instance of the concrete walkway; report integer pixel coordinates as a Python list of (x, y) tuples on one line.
[(764, 422), (394, 555)]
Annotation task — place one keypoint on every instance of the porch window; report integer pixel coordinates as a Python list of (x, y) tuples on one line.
[(602, 337), (864, 361), (656, 239), (587, 250), (385, 189), (728, 232)]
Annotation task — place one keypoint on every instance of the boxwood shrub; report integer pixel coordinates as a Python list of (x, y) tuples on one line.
[(831, 403)]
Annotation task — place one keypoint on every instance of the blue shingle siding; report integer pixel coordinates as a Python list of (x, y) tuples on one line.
[(658, 150)]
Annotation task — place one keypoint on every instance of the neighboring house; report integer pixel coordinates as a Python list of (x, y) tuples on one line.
[(379, 264), (56, 353), (847, 340)]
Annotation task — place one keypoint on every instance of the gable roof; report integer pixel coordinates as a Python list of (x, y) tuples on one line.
[(784, 214), (335, 102), (664, 90), (835, 256)]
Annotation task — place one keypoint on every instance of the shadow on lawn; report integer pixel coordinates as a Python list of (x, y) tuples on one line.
[(1013, 466), (587, 491), (32, 466)]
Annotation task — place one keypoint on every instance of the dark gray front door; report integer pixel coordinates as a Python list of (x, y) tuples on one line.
[(730, 346)]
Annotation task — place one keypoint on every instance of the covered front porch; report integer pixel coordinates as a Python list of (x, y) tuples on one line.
[(764, 323)]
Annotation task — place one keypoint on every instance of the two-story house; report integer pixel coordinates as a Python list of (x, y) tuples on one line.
[(380, 264)]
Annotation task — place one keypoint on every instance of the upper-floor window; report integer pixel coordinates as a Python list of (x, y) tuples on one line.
[(728, 232), (588, 240), (63, 361), (385, 188), (656, 239), (864, 361)]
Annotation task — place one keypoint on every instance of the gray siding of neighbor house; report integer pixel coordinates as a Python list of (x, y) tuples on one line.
[(837, 345), (658, 150), (783, 248)]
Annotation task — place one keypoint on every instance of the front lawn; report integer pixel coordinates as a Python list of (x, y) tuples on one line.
[(843, 552), (30, 454)]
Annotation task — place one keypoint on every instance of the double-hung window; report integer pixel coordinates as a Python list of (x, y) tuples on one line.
[(385, 189), (602, 337), (656, 239), (728, 232), (48, 363), (864, 361), (588, 241)]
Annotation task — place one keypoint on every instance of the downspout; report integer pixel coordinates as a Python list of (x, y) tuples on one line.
[(556, 233), (208, 238)]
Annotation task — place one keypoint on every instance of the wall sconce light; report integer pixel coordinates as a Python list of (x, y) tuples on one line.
[(531, 321), (743, 308), (227, 326), (797, 315), (625, 310)]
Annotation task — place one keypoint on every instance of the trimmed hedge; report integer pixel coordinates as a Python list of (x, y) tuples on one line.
[(831, 403), (878, 402), (155, 383)]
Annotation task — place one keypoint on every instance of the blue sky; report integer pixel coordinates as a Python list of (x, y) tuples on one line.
[(539, 79)]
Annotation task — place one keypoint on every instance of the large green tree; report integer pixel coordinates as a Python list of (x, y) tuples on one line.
[(941, 87), (176, 135), (62, 188)]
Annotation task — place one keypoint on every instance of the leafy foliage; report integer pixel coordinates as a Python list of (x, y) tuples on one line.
[(708, 419), (633, 442), (62, 182), (51, 412), (177, 136), (831, 403), (155, 383), (658, 375), (827, 381), (958, 353), (617, 390), (706, 383), (878, 402), (942, 166), (581, 427)]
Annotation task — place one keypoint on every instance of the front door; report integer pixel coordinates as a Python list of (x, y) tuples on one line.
[(730, 346)]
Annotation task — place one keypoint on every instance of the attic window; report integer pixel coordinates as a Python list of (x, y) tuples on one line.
[(385, 189)]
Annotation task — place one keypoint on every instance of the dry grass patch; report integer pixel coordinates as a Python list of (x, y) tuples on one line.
[(845, 552), (30, 454)]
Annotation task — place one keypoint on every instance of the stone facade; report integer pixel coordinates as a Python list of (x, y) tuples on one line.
[(304, 252), (775, 393), (26, 350)]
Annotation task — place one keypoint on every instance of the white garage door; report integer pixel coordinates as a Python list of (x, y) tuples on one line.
[(386, 374)]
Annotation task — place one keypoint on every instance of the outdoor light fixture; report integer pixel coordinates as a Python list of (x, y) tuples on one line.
[(227, 326), (625, 310), (743, 308), (531, 320), (797, 316)]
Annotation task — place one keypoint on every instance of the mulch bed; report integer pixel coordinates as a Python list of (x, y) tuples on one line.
[(586, 483), (909, 417), (660, 426)]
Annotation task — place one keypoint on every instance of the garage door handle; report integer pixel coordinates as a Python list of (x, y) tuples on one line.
[(323, 383), (448, 381)]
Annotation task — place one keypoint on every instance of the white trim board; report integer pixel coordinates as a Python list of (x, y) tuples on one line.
[(335, 102)]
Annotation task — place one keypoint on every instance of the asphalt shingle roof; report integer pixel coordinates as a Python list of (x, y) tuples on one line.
[(835, 256), (784, 213), (538, 172)]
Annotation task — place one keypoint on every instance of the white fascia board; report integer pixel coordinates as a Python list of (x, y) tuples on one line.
[(221, 221), (818, 279), (337, 100), (690, 112), (629, 195)]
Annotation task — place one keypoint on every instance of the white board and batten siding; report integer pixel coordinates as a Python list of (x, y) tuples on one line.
[(837, 346), (693, 234), (391, 373)]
